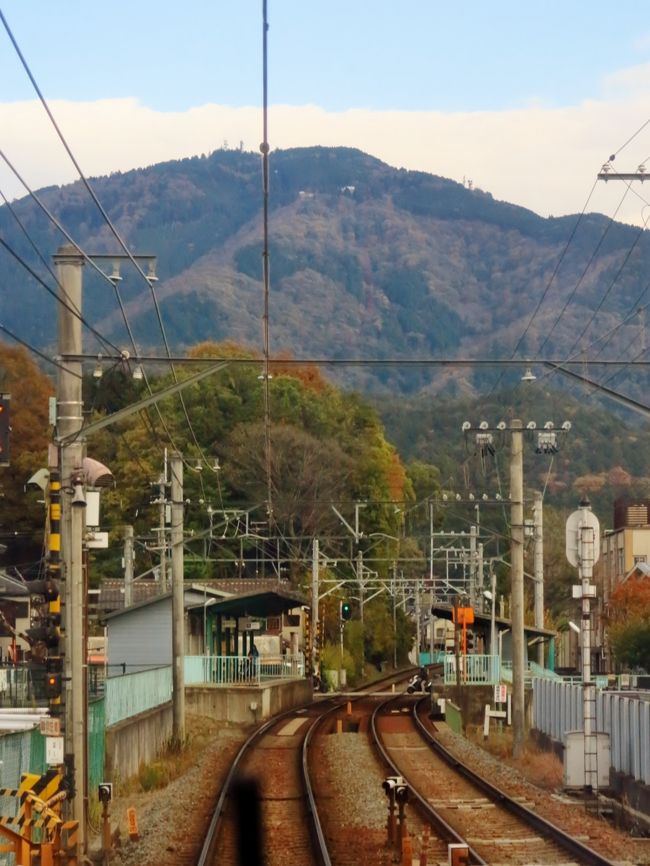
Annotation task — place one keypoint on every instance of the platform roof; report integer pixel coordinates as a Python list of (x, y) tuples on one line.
[(444, 611), (267, 603)]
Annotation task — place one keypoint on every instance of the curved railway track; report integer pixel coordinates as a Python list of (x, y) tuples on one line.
[(496, 828), (270, 786), (282, 781)]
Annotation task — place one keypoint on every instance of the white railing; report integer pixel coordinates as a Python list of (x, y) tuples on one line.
[(478, 670), (238, 670)]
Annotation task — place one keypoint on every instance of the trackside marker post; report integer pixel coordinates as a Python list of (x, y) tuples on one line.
[(132, 824)]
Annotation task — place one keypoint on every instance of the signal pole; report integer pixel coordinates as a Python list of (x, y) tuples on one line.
[(538, 569)]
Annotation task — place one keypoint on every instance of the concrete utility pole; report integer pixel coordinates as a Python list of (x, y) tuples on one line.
[(162, 520), (178, 609), (128, 566), (69, 421), (538, 569), (517, 585), (315, 652)]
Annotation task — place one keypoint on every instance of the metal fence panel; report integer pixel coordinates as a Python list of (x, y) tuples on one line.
[(96, 742), (645, 741), (128, 695)]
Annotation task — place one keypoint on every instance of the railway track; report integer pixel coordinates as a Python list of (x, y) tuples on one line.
[(495, 827), (284, 801), (268, 802)]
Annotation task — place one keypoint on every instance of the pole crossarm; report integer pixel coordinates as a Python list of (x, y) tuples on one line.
[(94, 426)]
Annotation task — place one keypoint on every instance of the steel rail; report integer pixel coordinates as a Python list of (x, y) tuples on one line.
[(445, 830), (572, 846), (208, 851)]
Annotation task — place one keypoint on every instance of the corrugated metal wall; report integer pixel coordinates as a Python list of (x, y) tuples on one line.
[(141, 638), (558, 708)]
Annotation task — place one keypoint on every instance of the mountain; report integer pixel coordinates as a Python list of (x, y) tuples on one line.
[(367, 261)]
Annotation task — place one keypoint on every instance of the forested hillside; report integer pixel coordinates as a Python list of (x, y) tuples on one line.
[(367, 261)]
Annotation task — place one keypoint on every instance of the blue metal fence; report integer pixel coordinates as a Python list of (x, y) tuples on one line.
[(237, 670), (477, 670), (558, 708)]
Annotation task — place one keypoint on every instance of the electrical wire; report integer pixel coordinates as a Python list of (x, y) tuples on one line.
[(585, 271), (116, 235), (61, 292), (64, 303), (36, 351), (548, 284)]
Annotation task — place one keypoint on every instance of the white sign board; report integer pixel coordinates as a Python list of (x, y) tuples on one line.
[(581, 518), (97, 540), (53, 750), (500, 694)]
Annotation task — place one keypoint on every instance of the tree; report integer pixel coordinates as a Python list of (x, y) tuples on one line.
[(22, 516), (629, 622)]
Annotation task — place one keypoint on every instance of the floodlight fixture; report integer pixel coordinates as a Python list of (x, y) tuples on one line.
[(528, 376)]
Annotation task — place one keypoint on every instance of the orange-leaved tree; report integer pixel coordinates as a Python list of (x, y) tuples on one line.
[(629, 622)]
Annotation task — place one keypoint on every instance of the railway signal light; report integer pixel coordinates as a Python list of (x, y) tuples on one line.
[(54, 678), (46, 632), (105, 792), (391, 785), (345, 611), (53, 685)]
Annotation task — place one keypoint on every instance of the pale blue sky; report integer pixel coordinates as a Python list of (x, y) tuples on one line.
[(486, 89), (379, 54)]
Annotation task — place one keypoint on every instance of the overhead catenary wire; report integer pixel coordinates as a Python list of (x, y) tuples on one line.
[(64, 301), (113, 230), (550, 282), (36, 351)]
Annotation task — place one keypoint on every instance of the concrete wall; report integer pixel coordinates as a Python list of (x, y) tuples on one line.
[(142, 738), (234, 705), (135, 741)]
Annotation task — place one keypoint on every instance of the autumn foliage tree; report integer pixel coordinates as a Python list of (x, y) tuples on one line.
[(629, 623), (21, 515)]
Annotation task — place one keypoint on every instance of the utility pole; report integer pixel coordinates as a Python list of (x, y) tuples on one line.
[(538, 569), (128, 566), (517, 584), (162, 524), (547, 443), (69, 421), (314, 606), (178, 611)]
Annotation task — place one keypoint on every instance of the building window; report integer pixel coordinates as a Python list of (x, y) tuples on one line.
[(620, 564), (638, 559)]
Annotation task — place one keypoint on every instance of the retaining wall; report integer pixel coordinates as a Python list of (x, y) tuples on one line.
[(245, 704)]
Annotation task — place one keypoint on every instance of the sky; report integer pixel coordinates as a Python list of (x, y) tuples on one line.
[(524, 100)]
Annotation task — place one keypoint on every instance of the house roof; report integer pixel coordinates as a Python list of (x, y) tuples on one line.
[(190, 594), (640, 569)]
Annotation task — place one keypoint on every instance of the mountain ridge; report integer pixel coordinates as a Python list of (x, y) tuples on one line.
[(366, 261)]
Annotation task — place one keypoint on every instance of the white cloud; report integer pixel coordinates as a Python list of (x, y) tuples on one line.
[(543, 159)]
